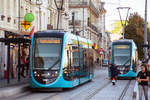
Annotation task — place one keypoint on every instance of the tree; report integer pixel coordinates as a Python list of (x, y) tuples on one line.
[(135, 30)]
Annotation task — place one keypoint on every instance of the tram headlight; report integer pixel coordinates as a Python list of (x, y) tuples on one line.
[(48, 74), (35, 72), (53, 75), (38, 75), (56, 72)]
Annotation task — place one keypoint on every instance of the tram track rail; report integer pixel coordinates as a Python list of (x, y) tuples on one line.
[(96, 91), (47, 98), (121, 97)]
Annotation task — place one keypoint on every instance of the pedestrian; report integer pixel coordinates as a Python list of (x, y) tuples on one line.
[(142, 79), (27, 65), (97, 60), (148, 70), (22, 65), (114, 72)]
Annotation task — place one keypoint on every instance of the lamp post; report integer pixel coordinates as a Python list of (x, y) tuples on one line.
[(59, 6), (19, 15), (39, 3), (123, 24), (145, 31)]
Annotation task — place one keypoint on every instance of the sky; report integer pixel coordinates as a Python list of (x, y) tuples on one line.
[(112, 13)]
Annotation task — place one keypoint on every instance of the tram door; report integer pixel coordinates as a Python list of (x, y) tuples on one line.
[(90, 58), (75, 52), (72, 68)]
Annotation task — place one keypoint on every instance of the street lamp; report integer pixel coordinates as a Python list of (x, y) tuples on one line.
[(145, 30), (123, 24), (59, 6), (39, 2)]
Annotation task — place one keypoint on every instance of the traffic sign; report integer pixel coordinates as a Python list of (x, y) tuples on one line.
[(101, 49), (25, 24)]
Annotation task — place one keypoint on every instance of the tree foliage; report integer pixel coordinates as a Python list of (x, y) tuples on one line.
[(135, 30)]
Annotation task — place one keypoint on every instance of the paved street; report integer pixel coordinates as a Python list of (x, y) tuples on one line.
[(99, 89), (49, 44)]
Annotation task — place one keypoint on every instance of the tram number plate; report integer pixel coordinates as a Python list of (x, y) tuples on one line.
[(122, 68), (121, 72), (45, 80)]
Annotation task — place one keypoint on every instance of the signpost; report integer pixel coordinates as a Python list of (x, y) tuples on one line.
[(28, 19), (25, 24)]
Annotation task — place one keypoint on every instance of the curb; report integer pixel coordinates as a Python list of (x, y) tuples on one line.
[(10, 91), (135, 91)]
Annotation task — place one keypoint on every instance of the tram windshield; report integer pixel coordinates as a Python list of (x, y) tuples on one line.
[(122, 55), (47, 53)]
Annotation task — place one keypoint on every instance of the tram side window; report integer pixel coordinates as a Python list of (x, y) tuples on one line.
[(75, 58), (90, 61), (71, 63), (85, 61)]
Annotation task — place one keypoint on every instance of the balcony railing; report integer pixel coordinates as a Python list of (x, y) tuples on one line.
[(92, 6), (77, 22), (77, 4), (93, 27), (81, 4)]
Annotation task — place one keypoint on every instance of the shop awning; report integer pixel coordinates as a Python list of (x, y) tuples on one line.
[(15, 40)]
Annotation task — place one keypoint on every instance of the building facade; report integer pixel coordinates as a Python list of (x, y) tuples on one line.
[(89, 20), (12, 14)]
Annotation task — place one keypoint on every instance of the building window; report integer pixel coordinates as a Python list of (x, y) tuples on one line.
[(14, 21)]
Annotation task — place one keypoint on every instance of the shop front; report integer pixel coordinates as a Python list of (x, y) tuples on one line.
[(13, 46)]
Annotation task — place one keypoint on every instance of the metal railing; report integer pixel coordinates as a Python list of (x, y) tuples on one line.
[(87, 3), (92, 6), (77, 22), (93, 27)]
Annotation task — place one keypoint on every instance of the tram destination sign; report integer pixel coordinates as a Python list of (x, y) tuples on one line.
[(49, 41)]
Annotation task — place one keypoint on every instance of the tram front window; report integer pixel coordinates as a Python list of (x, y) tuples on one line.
[(47, 53), (122, 55)]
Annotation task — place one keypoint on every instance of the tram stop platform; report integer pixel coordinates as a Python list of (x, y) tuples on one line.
[(13, 88), (136, 92)]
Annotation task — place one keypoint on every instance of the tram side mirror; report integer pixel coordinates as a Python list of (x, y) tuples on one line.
[(92, 47)]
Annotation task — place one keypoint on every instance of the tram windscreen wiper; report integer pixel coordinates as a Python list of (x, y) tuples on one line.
[(126, 62), (54, 64)]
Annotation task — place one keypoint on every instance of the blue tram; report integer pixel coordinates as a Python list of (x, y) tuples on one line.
[(60, 60), (124, 56)]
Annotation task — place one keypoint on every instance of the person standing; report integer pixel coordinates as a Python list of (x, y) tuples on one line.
[(114, 72), (142, 79)]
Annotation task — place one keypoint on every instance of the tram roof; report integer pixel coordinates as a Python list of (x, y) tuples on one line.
[(123, 40), (50, 33)]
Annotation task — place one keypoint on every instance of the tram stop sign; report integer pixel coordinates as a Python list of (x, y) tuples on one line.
[(29, 17), (25, 24)]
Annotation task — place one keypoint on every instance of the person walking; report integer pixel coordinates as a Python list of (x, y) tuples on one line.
[(27, 65), (22, 66), (142, 79)]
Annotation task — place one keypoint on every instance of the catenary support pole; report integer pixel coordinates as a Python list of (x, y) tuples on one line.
[(145, 30)]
